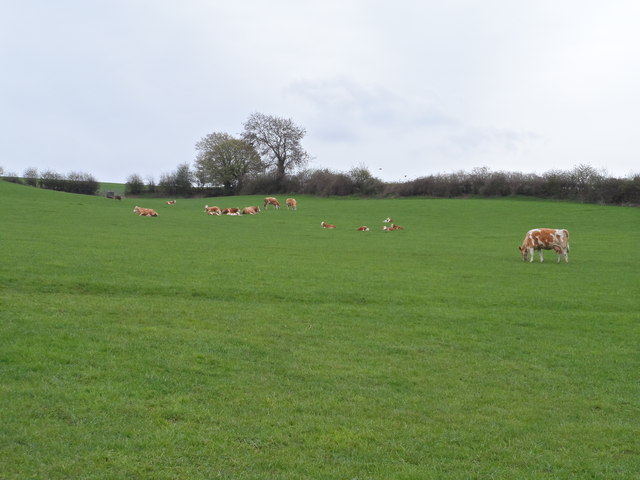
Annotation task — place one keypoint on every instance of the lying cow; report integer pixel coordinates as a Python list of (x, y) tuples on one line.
[(231, 211), (545, 239), (392, 228), (145, 212), (326, 225), (363, 228), (271, 201), (292, 204), (171, 202), (388, 220), (250, 210), (212, 210)]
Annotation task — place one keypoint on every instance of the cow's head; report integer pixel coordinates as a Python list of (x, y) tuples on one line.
[(524, 252)]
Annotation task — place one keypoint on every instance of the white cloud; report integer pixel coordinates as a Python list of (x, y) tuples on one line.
[(407, 87)]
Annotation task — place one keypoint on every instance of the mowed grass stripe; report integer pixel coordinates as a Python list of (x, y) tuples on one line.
[(191, 346)]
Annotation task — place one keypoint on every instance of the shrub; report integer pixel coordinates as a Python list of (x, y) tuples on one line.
[(134, 185), (11, 177), (325, 183), (80, 182), (260, 185), (31, 177), (363, 182), (75, 182)]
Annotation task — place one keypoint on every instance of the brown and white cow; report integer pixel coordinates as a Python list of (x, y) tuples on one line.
[(545, 239), (145, 212), (250, 210), (271, 201), (171, 202), (231, 211), (388, 220), (326, 225), (292, 204), (363, 228), (392, 228), (212, 210)]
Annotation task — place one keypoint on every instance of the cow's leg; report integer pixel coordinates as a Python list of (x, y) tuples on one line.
[(532, 253), (541, 257)]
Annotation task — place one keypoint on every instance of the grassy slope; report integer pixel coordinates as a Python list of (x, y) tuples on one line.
[(118, 188), (188, 346)]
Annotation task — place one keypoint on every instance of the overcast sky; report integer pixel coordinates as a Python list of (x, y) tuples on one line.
[(406, 88)]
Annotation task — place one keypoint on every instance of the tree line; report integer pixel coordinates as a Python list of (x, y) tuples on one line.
[(583, 184), (268, 158), (74, 182)]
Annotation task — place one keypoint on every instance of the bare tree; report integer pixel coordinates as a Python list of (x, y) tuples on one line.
[(31, 176), (277, 140), (151, 185)]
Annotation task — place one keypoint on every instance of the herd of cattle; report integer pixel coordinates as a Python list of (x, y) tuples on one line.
[(537, 239)]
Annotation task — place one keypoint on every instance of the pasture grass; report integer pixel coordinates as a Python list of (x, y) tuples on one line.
[(255, 347), (117, 188)]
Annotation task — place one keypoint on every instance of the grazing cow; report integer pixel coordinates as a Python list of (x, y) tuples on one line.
[(327, 225), (292, 204), (118, 197), (271, 201), (545, 239), (388, 220), (171, 202), (212, 210), (250, 210), (145, 212), (363, 228), (230, 211)]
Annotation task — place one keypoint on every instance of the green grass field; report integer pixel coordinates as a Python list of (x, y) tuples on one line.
[(118, 188), (265, 347)]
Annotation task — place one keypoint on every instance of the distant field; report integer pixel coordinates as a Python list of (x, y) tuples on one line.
[(118, 188), (265, 347)]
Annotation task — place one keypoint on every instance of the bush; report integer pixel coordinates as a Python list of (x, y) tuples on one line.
[(151, 185), (83, 183), (363, 182), (134, 185), (324, 183), (177, 183), (263, 184), (11, 177), (75, 182), (31, 177)]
